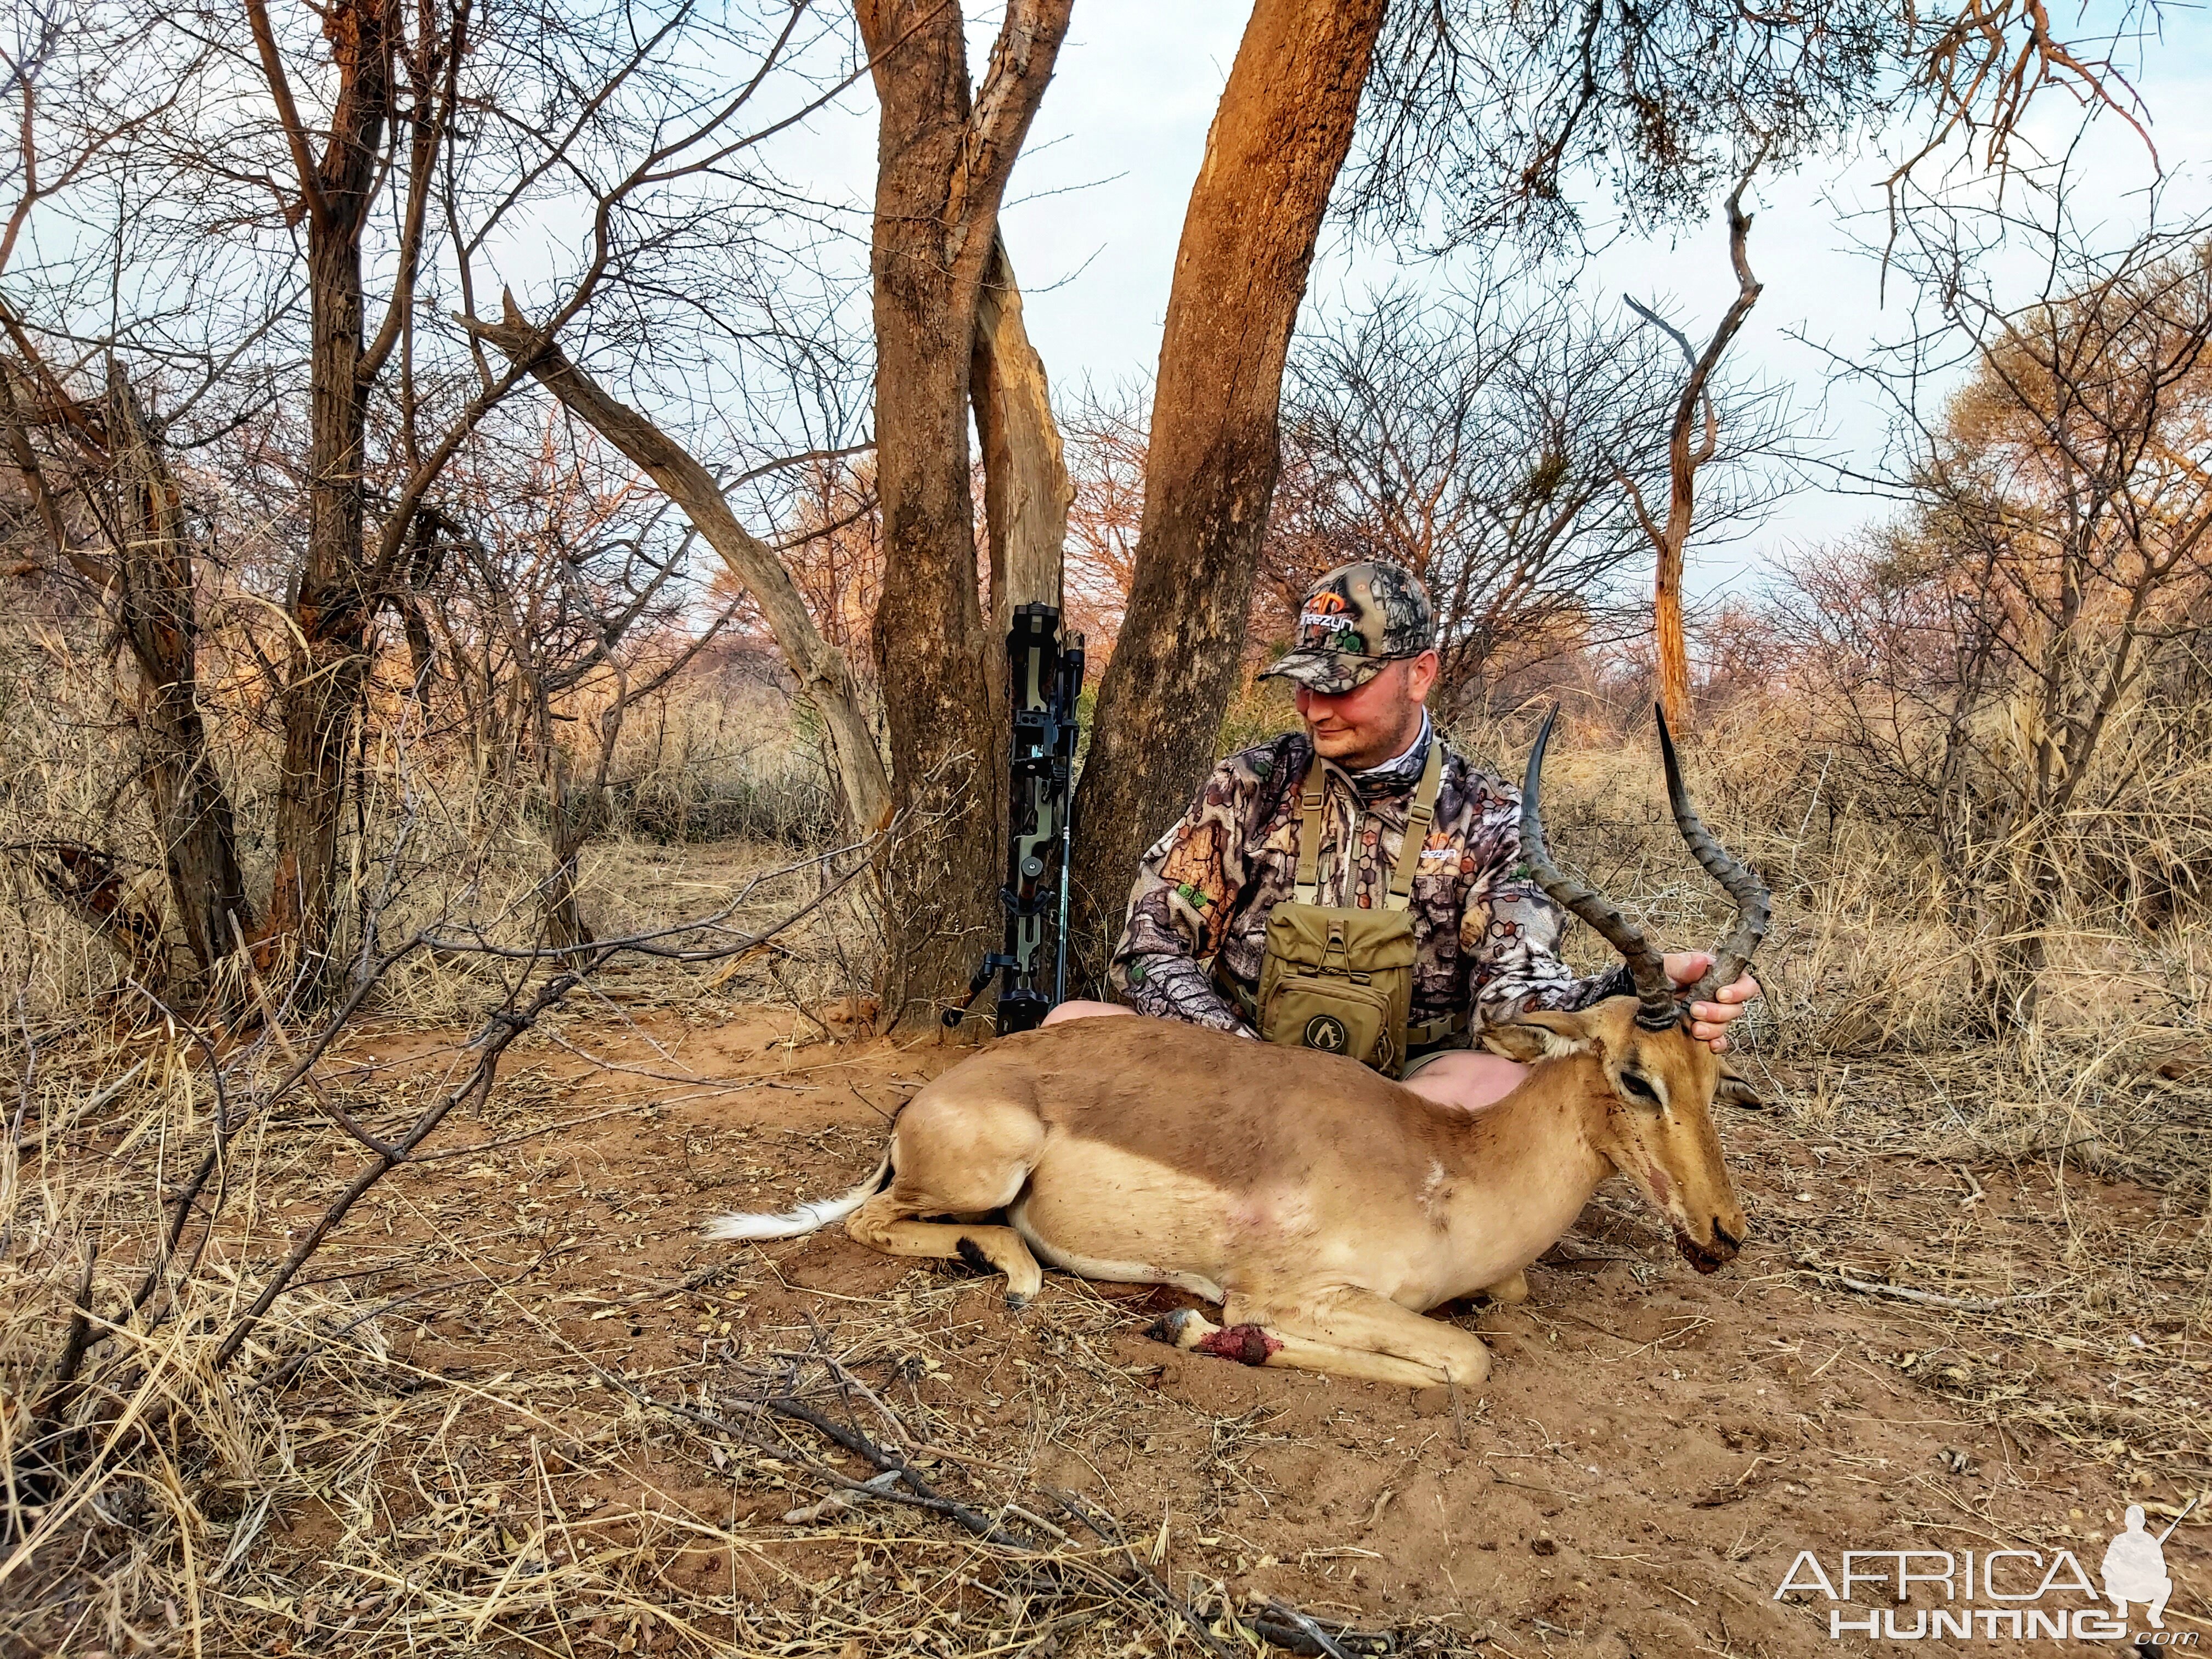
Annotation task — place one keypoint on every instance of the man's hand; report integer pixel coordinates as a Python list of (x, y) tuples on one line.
[(1709, 1021)]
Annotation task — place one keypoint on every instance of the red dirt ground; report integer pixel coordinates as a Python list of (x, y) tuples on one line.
[(1653, 1450)]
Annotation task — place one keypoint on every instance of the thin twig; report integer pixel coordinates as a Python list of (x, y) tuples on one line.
[(1928, 1298)]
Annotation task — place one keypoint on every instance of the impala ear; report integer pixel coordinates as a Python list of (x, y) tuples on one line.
[(1734, 1088), (1540, 1035)]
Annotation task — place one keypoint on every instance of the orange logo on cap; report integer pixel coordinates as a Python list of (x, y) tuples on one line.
[(1318, 620)]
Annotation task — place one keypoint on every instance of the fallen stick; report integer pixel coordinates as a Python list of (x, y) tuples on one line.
[(2178, 1519), (920, 1494), (1142, 1576), (1927, 1298), (1305, 1627), (843, 1498)]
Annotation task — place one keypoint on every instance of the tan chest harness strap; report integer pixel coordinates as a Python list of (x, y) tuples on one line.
[(1418, 817)]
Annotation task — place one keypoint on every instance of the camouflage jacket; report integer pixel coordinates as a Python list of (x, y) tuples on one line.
[(1486, 937)]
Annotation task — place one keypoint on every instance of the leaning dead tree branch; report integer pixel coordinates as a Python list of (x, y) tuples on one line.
[(820, 667), (1692, 440)]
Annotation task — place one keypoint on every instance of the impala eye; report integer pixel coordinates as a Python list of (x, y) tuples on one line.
[(1637, 1087)]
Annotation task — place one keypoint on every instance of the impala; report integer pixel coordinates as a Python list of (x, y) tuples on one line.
[(1324, 1207)]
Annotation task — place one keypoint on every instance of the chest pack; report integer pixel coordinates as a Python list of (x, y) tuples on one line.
[(1336, 977)]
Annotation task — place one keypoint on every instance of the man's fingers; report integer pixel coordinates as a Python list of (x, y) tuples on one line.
[(1686, 968), (1709, 1021)]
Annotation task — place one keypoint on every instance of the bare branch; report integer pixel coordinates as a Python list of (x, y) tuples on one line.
[(820, 667)]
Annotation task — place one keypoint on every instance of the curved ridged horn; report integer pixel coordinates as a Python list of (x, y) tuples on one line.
[(1750, 894), (1655, 992)]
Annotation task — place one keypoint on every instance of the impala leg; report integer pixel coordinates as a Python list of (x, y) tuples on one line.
[(885, 1223), (1252, 1344), (955, 1155), (1361, 1319), (1338, 1332)]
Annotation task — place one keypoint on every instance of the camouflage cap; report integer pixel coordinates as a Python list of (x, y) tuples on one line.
[(1355, 620)]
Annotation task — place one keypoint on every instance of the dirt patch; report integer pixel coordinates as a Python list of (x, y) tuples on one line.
[(520, 1447)]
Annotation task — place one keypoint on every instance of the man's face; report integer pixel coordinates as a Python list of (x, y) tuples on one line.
[(1368, 725)]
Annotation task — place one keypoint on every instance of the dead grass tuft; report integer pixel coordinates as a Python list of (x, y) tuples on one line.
[(492, 1414)]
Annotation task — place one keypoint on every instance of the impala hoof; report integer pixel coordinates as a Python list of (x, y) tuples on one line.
[(1016, 1301), (1185, 1328)]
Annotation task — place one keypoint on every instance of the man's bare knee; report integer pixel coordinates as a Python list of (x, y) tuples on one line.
[(1079, 1008), (1468, 1080)]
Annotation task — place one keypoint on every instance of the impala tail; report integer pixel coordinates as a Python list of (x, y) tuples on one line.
[(798, 1222)]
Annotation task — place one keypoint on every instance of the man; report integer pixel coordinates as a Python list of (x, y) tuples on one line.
[(1487, 936), (2134, 1570)]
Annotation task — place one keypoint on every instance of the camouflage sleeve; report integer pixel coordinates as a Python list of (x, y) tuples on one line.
[(1511, 930), (1184, 888)]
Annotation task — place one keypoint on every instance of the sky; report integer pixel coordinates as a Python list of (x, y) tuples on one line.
[(1097, 205)]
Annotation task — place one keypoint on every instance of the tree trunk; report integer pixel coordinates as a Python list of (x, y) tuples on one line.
[(330, 610), (1026, 491), (1689, 446), (324, 685), (1278, 139), (2008, 981), (1672, 656), (942, 164), (572, 813), (931, 646), (157, 612)]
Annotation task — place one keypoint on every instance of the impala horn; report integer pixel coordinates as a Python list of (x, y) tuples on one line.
[(1655, 993), (1751, 896)]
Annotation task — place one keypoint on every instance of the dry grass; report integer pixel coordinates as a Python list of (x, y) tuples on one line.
[(445, 832), (325, 1492), (329, 1493), (1869, 1025)]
